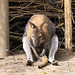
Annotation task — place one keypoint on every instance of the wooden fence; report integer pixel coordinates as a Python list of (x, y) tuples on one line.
[(21, 10)]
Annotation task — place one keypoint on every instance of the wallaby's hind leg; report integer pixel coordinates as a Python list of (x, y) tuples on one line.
[(27, 49), (53, 49)]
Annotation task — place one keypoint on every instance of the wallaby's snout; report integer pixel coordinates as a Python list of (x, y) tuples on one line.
[(36, 44), (36, 34), (36, 39)]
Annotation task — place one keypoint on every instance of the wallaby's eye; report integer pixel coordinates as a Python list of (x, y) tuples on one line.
[(32, 25)]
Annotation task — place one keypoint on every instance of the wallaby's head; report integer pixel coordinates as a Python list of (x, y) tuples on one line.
[(36, 34)]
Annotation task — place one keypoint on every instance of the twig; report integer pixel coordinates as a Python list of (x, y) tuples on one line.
[(53, 8), (59, 25), (61, 42), (20, 28), (13, 25), (63, 29), (17, 38), (26, 5), (19, 2), (73, 18), (62, 3), (14, 33), (16, 48), (15, 17)]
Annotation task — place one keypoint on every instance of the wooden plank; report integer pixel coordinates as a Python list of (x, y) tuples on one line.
[(20, 0), (68, 24), (4, 28), (27, 0)]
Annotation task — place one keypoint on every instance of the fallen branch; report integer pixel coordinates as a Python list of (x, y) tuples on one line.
[(15, 17), (16, 48), (14, 33), (59, 25), (17, 38)]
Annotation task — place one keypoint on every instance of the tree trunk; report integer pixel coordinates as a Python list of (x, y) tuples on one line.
[(68, 24), (4, 28)]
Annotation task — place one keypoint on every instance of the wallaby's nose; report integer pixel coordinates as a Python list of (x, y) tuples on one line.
[(40, 35)]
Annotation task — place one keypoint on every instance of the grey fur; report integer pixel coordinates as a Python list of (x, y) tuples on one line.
[(51, 44)]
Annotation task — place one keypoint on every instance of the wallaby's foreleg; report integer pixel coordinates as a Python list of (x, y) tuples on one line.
[(53, 49), (43, 53), (34, 51), (27, 49)]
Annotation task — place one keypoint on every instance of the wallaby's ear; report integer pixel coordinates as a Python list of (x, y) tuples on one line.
[(32, 25)]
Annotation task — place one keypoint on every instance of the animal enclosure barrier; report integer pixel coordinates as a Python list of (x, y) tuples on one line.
[(4, 28), (21, 10), (68, 24)]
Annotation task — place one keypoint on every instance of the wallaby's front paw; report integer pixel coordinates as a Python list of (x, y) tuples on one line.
[(29, 63)]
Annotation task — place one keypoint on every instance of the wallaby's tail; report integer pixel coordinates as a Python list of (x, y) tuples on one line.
[(44, 62)]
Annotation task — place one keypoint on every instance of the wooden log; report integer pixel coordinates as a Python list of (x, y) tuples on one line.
[(17, 38), (4, 28), (27, 0), (68, 24)]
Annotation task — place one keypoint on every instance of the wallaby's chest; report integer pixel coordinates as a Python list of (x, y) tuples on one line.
[(39, 49)]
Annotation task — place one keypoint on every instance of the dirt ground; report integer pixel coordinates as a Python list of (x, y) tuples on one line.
[(16, 65)]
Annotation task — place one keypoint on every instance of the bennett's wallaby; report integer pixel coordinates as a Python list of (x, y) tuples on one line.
[(40, 32)]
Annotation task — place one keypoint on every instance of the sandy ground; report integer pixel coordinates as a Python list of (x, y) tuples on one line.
[(16, 65)]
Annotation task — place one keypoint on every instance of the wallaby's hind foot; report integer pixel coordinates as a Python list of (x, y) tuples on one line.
[(29, 63), (55, 62)]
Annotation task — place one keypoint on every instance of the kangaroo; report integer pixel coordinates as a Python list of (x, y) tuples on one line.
[(40, 36)]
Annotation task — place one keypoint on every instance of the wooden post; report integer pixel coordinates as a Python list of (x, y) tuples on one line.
[(68, 24), (4, 28)]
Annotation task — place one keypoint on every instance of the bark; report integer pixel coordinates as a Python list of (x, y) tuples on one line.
[(68, 24), (4, 28)]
